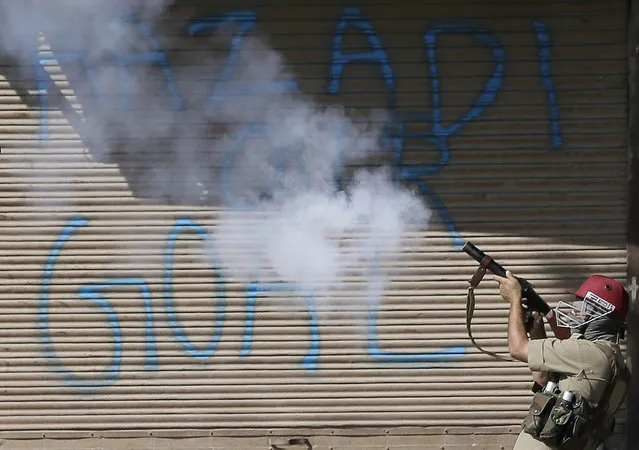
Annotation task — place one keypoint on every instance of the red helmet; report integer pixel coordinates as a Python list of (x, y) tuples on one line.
[(610, 290)]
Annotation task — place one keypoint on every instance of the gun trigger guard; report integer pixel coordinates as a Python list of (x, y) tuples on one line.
[(480, 272)]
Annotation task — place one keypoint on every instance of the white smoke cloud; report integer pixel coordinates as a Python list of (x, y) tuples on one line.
[(313, 234), (317, 238), (98, 23), (303, 229)]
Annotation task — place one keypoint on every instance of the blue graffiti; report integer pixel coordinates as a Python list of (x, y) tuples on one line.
[(255, 290), (110, 374), (94, 292), (245, 21), (375, 351), (156, 56), (543, 41), (396, 137), (222, 92), (440, 135), (174, 322), (377, 55)]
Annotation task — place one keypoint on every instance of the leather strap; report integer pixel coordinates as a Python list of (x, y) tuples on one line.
[(478, 276), (480, 272)]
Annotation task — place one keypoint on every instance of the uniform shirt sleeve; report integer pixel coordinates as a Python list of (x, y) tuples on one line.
[(555, 355)]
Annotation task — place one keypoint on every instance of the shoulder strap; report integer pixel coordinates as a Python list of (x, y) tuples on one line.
[(470, 307)]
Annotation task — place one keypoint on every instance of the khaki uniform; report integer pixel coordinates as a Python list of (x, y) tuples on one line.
[(584, 367)]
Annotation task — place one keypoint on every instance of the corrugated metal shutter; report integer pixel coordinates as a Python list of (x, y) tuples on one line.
[(509, 117)]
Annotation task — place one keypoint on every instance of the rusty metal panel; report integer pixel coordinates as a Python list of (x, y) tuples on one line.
[(133, 294)]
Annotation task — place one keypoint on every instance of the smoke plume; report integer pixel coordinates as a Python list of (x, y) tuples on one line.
[(282, 169)]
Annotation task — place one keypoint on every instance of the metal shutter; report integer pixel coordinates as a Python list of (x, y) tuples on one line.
[(510, 119)]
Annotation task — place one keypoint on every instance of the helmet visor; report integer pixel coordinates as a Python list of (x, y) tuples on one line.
[(582, 310)]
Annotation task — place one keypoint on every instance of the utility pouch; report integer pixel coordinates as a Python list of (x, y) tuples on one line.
[(558, 426), (568, 426), (579, 428), (582, 423), (540, 408)]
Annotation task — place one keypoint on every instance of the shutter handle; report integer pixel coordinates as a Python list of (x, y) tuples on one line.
[(296, 441)]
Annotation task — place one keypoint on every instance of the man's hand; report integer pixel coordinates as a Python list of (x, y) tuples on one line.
[(509, 288), (537, 330)]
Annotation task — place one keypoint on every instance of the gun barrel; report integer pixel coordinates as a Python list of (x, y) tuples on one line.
[(478, 256), (535, 302), (473, 251)]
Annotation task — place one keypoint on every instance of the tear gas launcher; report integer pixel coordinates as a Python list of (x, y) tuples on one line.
[(532, 301)]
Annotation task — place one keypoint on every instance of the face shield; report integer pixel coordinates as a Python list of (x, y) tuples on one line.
[(582, 310)]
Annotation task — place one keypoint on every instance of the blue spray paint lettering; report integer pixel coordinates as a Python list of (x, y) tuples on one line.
[(156, 56), (255, 290), (177, 329), (110, 374), (221, 92), (395, 135), (439, 137), (441, 134), (94, 292), (375, 292), (377, 55), (543, 42), (245, 21)]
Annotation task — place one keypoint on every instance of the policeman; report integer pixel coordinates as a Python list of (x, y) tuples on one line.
[(580, 375)]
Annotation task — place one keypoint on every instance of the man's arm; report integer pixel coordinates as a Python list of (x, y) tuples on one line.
[(510, 291), (517, 337)]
